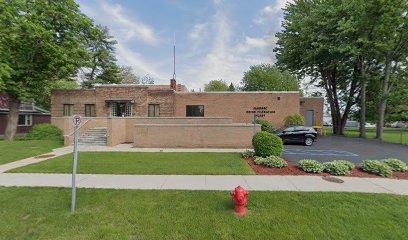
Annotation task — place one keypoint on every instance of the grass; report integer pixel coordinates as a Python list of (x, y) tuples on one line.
[(145, 163), (43, 213), (19, 149), (392, 135)]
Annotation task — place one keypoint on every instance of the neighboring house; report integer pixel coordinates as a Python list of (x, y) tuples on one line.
[(29, 115)]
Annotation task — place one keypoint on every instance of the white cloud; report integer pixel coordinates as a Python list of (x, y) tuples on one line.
[(198, 31), (128, 31), (267, 13), (225, 58)]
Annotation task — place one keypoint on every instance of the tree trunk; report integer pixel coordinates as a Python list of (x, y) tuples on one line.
[(12, 119), (362, 99), (383, 100)]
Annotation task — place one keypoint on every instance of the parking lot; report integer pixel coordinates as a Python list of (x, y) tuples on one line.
[(330, 148)]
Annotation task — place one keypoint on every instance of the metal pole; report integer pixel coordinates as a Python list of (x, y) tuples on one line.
[(254, 123), (74, 170), (401, 135)]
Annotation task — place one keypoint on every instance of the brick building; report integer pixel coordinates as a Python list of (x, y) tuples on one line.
[(28, 116), (162, 106)]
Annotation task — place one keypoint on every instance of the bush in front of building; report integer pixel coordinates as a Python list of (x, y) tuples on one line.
[(271, 161), (266, 125), (266, 144), (45, 131), (248, 154), (396, 164), (294, 120), (336, 168), (311, 166), (376, 167)]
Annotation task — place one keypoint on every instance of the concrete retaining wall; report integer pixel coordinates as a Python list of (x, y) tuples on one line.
[(193, 135)]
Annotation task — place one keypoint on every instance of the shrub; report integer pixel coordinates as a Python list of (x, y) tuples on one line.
[(349, 165), (271, 161), (275, 162), (294, 119), (45, 131), (376, 167), (266, 125), (396, 164), (248, 153), (266, 144), (259, 160), (311, 166), (336, 168)]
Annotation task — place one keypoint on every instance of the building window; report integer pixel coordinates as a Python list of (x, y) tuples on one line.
[(122, 109), (278, 98), (154, 110), (68, 110), (90, 110), (25, 120), (195, 110)]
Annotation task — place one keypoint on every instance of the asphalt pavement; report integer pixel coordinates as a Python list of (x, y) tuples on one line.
[(328, 148)]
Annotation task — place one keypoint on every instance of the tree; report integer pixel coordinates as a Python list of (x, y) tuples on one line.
[(216, 86), (147, 79), (102, 66), (127, 76), (41, 42), (266, 77), (319, 41), (44, 100), (231, 88)]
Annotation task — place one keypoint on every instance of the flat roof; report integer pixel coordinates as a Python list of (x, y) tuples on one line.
[(243, 92)]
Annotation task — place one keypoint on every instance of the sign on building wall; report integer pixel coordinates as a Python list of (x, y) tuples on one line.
[(260, 111)]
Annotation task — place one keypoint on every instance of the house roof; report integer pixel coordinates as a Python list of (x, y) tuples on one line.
[(25, 107)]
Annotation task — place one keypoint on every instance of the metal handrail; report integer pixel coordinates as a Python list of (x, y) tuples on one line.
[(79, 127)]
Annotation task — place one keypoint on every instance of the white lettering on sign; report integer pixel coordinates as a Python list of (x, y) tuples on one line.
[(77, 120)]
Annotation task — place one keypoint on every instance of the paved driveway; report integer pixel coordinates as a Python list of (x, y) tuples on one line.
[(353, 149)]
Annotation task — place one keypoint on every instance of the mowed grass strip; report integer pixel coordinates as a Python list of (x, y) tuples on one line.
[(145, 163), (392, 135), (44, 213), (11, 151)]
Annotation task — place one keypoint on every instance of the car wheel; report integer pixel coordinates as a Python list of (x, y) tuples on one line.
[(308, 141)]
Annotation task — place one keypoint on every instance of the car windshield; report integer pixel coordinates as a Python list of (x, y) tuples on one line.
[(279, 130)]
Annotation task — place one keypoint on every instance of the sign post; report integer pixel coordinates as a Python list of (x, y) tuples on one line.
[(77, 122), (254, 123)]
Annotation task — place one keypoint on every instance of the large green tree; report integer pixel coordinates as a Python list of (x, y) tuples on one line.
[(41, 42), (266, 77), (216, 86), (127, 76), (102, 67)]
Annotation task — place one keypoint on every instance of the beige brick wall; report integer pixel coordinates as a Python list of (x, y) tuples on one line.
[(116, 131), (193, 135), (239, 106), (315, 104)]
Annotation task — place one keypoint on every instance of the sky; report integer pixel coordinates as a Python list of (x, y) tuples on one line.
[(215, 39)]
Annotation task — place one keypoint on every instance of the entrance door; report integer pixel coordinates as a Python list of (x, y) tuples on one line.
[(121, 109), (309, 118)]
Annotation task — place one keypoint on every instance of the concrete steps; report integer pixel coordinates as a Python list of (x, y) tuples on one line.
[(94, 137)]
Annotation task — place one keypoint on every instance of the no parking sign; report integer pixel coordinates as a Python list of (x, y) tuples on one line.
[(77, 121)]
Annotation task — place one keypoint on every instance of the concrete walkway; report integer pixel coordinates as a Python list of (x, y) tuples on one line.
[(208, 182)]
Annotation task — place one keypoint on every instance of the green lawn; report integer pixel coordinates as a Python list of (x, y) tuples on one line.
[(43, 213), (19, 149), (146, 163), (392, 135)]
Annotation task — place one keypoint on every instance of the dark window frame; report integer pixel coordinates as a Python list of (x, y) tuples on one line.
[(195, 111), (89, 112), (70, 112), (156, 110)]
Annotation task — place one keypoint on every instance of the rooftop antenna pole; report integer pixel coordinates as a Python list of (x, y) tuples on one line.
[(174, 56)]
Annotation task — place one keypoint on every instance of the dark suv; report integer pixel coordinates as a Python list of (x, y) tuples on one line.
[(297, 134)]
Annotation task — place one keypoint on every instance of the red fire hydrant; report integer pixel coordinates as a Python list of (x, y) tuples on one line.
[(240, 200)]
